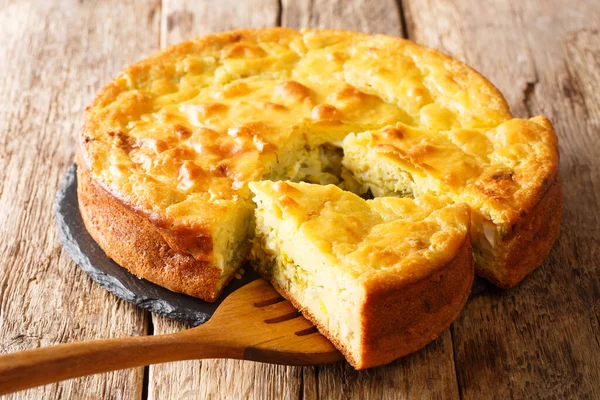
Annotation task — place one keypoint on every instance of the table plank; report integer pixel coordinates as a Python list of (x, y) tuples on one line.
[(369, 16), (540, 339), (184, 19), (53, 58), (431, 370), (228, 379), (428, 373)]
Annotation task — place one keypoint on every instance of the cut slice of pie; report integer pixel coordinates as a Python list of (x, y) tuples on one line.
[(380, 278)]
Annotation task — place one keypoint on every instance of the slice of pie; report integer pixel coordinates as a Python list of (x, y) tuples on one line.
[(380, 278)]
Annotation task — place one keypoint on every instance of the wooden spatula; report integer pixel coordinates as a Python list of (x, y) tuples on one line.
[(253, 323)]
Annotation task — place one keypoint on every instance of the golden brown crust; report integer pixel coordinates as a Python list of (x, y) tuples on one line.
[(400, 319), (138, 245), (532, 239)]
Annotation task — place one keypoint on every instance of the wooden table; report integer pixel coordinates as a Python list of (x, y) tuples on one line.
[(540, 339)]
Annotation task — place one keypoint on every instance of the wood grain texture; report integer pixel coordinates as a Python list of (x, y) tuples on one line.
[(184, 19), (428, 373), (369, 16), (539, 339), (53, 58)]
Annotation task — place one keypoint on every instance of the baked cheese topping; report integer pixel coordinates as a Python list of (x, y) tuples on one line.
[(402, 237), (494, 170), (180, 134)]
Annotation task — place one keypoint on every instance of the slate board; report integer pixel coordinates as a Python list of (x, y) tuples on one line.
[(89, 256)]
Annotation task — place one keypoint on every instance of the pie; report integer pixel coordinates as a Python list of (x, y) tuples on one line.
[(387, 277), (169, 148)]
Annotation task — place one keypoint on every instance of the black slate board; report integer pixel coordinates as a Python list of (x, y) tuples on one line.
[(89, 256)]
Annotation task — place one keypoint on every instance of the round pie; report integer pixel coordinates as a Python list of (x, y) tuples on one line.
[(170, 146)]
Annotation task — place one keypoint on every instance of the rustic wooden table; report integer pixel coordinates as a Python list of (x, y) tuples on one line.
[(540, 339)]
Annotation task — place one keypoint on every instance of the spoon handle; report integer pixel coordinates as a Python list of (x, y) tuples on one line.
[(30, 368)]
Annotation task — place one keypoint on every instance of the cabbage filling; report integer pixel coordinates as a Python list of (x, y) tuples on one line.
[(332, 302)]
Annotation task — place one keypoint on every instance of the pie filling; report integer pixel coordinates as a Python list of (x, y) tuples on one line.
[(332, 302), (321, 297)]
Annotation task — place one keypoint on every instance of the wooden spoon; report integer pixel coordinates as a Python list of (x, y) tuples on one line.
[(253, 323)]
